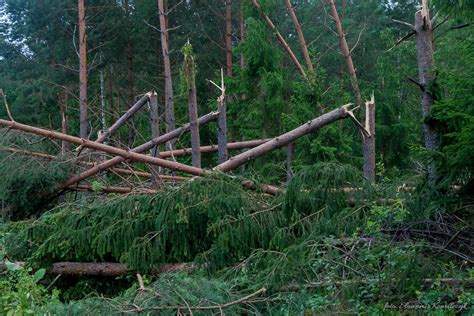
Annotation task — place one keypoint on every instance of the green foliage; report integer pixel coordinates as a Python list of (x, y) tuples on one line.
[(27, 183), (20, 292)]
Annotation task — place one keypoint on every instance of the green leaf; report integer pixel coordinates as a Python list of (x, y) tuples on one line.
[(12, 266), (39, 275)]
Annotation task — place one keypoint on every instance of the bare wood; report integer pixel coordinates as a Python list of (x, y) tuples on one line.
[(369, 141), (346, 52), (228, 36), (169, 97), (301, 39), (83, 120), (285, 139), (4, 96), (424, 48), (280, 37)]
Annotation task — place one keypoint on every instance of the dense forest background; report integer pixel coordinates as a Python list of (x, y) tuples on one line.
[(314, 248)]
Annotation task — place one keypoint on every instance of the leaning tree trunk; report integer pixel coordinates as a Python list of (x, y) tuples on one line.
[(189, 71), (284, 139), (169, 98), (83, 121), (424, 48), (280, 37), (346, 52), (301, 39)]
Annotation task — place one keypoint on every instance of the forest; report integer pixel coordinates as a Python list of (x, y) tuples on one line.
[(236, 157)]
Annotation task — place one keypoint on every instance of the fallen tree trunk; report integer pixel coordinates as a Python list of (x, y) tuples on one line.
[(142, 148), (122, 155), (113, 189), (126, 155), (214, 148), (285, 139), (108, 269)]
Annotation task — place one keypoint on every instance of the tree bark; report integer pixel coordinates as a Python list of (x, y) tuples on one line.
[(285, 139), (369, 141), (190, 76), (83, 120), (346, 52), (228, 36), (222, 123), (424, 48), (103, 121), (280, 38), (155, 132), (140, 149), (169, 98), (301, 39), (106, 269)]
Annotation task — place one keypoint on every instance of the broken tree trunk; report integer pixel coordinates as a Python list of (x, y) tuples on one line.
[(301, 39), (424, 48), (290, 150), (140, 149), (346, 52), (228, 36), (282, 140), (126, 155), (169, 98), (189, 71), (222, 123), (369, 140), (155, 132), (83, 120), (280, 37)]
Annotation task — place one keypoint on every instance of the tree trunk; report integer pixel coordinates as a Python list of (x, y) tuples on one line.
[(83, 120), (280, 37), (169, 102), (284, 139), (155, 132), (140, 149), (222, 123), (424, 48), (190, 77), (346, 52), (102, 103), (63, 96), (130, 94), (301, 39), (228, 36), (369, 141)]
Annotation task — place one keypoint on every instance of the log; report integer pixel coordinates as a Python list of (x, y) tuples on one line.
[(126, 155), (106, 269), (113, 189), (142, 148), (282, 140)]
